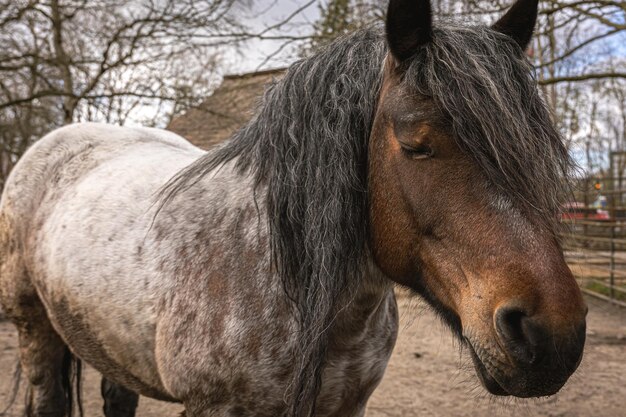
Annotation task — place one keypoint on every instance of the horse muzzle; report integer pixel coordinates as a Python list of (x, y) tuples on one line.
[(527, 359)]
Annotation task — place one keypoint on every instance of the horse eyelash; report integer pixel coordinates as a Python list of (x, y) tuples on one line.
[(421, 151)]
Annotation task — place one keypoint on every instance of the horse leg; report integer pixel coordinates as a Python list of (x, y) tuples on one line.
[(118, 401), (44, 357), (46, 362)]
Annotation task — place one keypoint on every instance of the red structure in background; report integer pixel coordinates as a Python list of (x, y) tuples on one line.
[(579, 211)]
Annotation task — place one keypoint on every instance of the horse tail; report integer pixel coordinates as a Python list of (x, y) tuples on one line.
[(71, 379), (17, 378)]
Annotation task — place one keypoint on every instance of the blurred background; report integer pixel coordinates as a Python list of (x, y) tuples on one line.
[(198, 67)]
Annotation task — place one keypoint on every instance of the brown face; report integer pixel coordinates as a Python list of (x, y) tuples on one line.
[(495, 273)]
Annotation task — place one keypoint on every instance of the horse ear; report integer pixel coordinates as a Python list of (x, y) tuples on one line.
[(519, 21), (409, 26)]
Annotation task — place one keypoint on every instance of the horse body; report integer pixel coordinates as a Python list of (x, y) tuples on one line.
[(182, 305)]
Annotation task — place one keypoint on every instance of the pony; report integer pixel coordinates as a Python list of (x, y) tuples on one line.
[(257, 279)]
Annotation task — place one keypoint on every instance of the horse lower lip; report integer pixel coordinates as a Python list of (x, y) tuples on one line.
[(488, 381)]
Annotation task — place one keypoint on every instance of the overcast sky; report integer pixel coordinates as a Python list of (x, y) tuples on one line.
[(266, 54)]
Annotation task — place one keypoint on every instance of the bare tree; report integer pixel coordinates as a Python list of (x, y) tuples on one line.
[(582, 69), (580, 65), (72, 60)]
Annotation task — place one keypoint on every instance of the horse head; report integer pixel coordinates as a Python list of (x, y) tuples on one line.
[(465, 169)]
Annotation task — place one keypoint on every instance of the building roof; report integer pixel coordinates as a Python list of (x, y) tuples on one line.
[(230, 106)]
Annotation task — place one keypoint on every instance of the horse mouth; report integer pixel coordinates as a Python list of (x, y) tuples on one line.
[(520, 384), (486, 379)]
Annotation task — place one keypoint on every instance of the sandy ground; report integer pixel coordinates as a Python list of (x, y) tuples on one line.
[(429, 376)]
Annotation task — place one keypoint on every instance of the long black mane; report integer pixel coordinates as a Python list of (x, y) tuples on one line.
[(308, 148), (307, 145)]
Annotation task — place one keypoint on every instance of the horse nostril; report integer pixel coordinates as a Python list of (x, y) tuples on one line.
[(518, 334)]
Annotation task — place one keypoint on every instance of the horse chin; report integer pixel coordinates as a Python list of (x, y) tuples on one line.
[(520, 386), (488, 381)]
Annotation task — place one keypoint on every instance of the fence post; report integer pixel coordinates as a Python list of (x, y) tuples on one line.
[(612, 190), (612, 264)]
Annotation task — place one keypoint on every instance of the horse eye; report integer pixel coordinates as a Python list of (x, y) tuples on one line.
[(421, 151)]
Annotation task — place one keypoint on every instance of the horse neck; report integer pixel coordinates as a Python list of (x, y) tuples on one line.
[(227, 203), (367, 300)]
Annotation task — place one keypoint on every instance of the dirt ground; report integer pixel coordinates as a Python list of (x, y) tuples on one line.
[(428, 376)]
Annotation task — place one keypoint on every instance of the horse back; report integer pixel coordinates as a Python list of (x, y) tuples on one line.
[(67, 154)]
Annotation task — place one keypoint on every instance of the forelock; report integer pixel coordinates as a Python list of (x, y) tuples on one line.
[(485, 85)]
